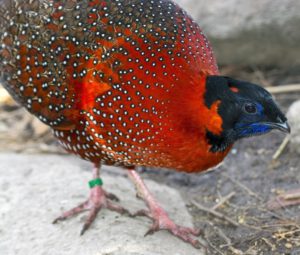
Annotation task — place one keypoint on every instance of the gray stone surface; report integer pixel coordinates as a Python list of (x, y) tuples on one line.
[(225, 18), (250, 32), (293, 116), (35, 189)]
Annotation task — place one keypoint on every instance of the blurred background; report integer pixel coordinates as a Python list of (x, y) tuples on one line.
[(258, 41), (257, 33)]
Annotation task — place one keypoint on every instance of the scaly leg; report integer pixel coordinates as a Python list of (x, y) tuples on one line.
[(161, 220), (98, 199)]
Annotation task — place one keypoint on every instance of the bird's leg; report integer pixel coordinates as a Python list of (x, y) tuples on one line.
[(98, 199), (159, 216)]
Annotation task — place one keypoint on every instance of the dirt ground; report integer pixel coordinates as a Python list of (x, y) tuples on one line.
[(229, 204)]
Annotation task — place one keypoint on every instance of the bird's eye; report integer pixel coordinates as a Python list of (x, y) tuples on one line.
[(250, 108)]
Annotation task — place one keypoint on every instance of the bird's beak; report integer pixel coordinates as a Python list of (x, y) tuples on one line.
[(282, 126)]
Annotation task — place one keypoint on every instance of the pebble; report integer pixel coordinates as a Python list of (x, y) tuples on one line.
[(293, 116)]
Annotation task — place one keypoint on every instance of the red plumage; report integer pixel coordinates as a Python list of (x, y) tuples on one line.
[(119, 82)]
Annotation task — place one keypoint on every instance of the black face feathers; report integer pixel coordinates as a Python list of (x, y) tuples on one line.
[(246, 110)]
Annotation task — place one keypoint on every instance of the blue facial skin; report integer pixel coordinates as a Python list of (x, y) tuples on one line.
[(251, 124)]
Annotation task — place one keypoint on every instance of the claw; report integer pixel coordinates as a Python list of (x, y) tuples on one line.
[(117, 208), (112, 196), (144, 213), (98, 199), (186, 235), (151, 231), (91, 217), (78, 209), (161, 221), (160, 218)]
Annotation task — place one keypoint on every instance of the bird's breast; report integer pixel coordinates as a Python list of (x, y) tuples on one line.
[(148, 123)]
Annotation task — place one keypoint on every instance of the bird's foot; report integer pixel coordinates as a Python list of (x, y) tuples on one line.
[(161, 221), (97, 200)]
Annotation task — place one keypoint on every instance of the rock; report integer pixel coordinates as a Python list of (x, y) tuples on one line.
[(293, 116), (256, 32), (39, 128), (36, 189), (5, 98), (225, 18)]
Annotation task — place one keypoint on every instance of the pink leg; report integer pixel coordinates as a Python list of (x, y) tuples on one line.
[(161, 220), (98, 199)]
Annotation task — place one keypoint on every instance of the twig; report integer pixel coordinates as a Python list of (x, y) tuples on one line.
[(284, 88), (225, 237), (223, 200), (281, 148), (241, 185), (272, 246), (295, 194), (287, 199), (214, 247), (214, 213), (278, 225), (228, 243)]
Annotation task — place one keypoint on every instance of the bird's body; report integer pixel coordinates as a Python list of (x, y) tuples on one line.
[(120, 82), (131, 83)]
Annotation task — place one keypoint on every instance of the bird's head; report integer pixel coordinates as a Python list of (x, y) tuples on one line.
[(245, 108)]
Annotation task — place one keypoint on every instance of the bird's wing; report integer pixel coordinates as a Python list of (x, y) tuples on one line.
[(45, 62)]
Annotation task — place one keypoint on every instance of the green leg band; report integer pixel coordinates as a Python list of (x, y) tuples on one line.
[(95, 182)]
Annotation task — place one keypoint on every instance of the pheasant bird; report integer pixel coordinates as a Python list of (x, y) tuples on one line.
[(129, 83)]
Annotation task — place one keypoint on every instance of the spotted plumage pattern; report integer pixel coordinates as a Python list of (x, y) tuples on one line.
[(119, 81)]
